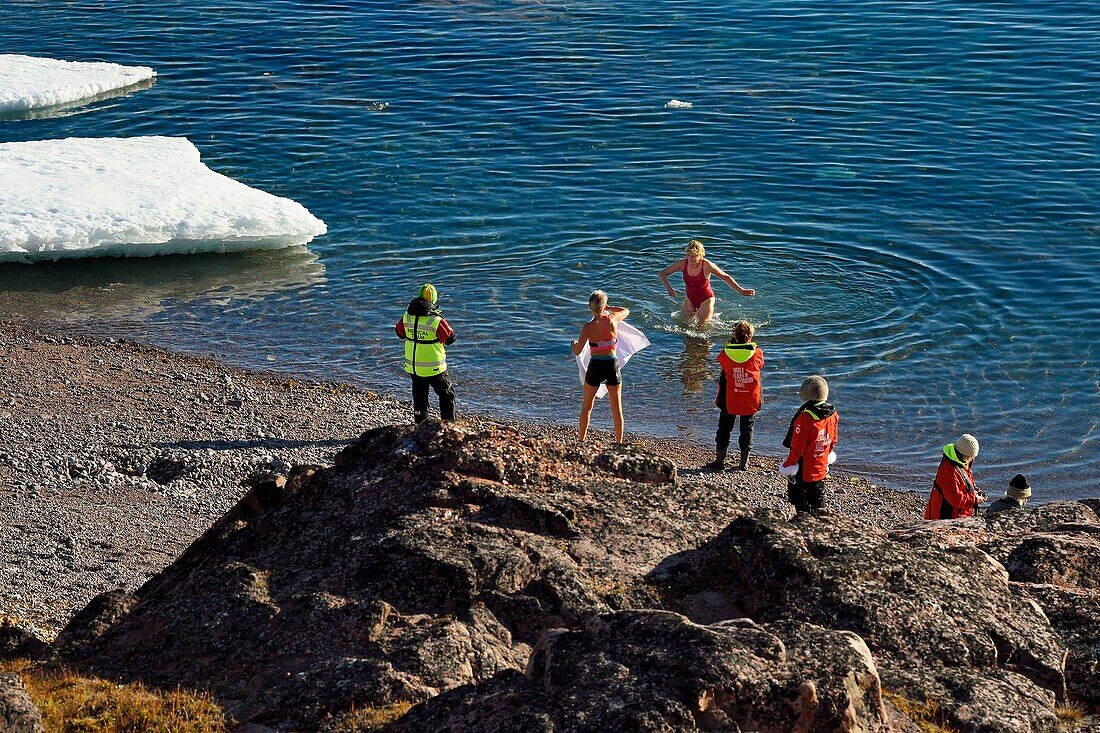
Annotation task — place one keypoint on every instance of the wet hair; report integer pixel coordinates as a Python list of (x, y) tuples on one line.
[(743, 331), (695, 244), (597, 301)]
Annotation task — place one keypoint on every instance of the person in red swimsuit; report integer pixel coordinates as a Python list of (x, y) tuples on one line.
[(699, 303)]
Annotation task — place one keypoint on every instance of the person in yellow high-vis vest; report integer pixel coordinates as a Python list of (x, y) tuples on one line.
[(427, 335)]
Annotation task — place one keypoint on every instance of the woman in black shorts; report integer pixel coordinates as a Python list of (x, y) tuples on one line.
[(601, 334)]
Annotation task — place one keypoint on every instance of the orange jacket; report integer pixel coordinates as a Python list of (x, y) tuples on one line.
[(954, 494), (811, 438), (739, 386)]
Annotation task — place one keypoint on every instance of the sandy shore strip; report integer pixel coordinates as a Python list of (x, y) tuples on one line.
[(115, 456)]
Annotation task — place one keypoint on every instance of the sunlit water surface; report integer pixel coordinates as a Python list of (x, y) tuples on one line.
[(911, 187)]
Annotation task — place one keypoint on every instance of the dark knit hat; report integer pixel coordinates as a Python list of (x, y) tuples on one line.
[(1018, 487)]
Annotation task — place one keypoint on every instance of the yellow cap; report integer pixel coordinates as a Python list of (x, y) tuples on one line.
[(429, 293)]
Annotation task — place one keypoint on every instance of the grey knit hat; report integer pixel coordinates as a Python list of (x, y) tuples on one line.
[(814, 389), (1018, 488)]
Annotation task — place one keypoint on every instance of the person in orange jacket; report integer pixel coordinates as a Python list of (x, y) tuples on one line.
[(811, 438), (739, 394), (954, 493)]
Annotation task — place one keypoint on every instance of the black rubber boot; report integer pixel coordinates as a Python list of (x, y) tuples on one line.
[(719, 462), (744, 461)]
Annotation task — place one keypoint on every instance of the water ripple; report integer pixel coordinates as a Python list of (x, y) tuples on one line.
[(910, 186)]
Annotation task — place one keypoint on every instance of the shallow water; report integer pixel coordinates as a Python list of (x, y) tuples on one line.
[(911, 188)]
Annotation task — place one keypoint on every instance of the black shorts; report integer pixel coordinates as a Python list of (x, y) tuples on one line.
[(603, 370)]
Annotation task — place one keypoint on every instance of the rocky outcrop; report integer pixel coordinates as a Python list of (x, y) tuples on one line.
[(93, 620), (1051, 553), (18, 643), (657, 671), (506, 583), (18, 713), (942, 623), (426, 559)]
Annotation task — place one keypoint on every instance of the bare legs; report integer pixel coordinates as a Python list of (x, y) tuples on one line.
[(706, 310), (586, 410), (702, 314), (614, 397)]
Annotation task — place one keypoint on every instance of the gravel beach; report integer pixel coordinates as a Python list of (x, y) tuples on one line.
[(115, 456)]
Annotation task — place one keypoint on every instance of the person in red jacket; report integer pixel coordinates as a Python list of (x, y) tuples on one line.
[(954, 494), (738, 394), (810, 439)]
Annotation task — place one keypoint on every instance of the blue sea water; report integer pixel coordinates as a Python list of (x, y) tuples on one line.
[(911, 187)]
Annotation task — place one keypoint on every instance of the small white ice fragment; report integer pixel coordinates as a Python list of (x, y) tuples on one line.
[(677, 104), (29, 82), (136, 197)]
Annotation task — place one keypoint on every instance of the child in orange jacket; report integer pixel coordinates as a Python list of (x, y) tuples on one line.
[(954, 493), (810, 439), (739, 394)]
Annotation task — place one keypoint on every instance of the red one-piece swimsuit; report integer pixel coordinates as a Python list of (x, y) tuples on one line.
[(697, 286)]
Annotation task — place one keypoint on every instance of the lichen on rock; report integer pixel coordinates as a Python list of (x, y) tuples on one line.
[(942, 622), (483, 579)]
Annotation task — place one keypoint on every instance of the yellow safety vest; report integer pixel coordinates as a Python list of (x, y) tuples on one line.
[(425, 356)]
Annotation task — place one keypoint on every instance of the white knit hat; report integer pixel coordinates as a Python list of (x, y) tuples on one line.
[(967, 446)]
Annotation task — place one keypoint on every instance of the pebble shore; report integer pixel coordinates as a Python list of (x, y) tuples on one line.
[(115, 456)]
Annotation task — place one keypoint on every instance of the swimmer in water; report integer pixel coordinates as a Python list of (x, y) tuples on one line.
[(699, 300)]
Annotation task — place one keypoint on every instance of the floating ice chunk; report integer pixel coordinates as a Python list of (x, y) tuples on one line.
[(29, 82), (677, 104), (141, 196)]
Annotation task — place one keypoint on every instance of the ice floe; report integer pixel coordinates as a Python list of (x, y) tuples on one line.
[(141, 196), (677, 104), (31, 83)]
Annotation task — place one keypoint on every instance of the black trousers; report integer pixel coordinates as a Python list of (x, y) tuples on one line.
[(441, 383), (725, 427), (806, 495)]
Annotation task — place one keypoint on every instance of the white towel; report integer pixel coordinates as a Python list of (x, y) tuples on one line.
[(629, 341)]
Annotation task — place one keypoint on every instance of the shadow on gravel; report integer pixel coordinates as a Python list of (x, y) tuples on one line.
[(245, 444)]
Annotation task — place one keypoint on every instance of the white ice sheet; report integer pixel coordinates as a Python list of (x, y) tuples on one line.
[(629, 341), (30, 82), (142, 196)]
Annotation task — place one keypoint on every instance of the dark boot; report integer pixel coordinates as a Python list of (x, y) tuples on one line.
[(744, 466), (719, 462)]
